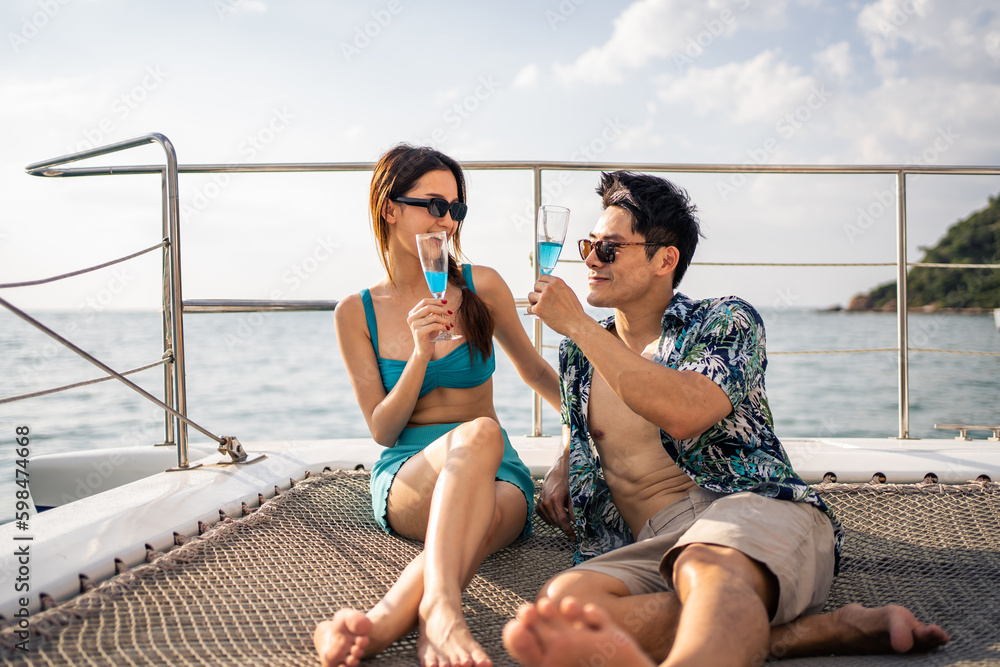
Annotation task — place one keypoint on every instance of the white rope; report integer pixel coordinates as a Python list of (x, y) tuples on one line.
[(931, 265), (45, 392), (42, 281), (983, 354), (792, 264), (874, 349)]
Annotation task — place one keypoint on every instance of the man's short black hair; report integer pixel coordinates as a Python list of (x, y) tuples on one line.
[(660, 211)]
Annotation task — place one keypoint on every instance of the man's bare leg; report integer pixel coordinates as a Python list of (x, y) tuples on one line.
[(651, 620), (725, 601), (571, 634), (854, 629)]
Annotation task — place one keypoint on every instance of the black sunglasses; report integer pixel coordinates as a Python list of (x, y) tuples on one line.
[(437, 207), (605, 250)]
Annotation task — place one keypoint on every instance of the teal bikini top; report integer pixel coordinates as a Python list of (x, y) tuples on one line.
[(458, 369)]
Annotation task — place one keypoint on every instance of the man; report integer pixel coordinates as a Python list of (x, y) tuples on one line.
[(673, 469)]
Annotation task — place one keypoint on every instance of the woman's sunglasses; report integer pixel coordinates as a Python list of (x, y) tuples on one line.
[(437, 207), (605, 250)]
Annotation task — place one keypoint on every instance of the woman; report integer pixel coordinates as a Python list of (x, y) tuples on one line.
[(449, 475)]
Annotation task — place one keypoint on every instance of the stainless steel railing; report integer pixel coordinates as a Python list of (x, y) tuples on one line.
[(175, 394), (174, 306)]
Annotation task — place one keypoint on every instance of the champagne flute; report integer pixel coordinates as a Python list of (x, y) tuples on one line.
[(550, 234), (433, 250)]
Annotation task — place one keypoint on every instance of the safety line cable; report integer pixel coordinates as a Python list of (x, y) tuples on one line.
[(104, 367), (43, 281), (929, 265), (873, 349), (84, 383)]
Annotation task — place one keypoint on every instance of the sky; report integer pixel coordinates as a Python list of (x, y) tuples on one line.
[(796, 82)]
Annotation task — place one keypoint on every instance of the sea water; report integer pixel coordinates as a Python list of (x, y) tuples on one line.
[(279, 376)]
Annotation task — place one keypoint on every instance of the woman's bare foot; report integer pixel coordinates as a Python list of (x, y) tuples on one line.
[(445, 641), (547, 635), (854, 629), (342, 640)]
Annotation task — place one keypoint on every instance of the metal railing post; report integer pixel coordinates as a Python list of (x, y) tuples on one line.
[(171, 209), (901, 307), (168, 348), (176, 300), (536, 402)]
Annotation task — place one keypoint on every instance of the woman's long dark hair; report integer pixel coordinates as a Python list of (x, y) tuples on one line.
[(395, 174)]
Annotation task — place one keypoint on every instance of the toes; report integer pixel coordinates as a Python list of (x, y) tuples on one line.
[(571, 608), (353, 620), (522, 643), (480, 659), (930, 636), (528, 615), (342, 640), (546, 609), (595, 617)]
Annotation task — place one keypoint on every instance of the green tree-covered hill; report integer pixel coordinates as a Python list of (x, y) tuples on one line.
[(975, 240)]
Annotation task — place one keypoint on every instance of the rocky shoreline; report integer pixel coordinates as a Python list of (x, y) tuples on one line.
[(864, 304)]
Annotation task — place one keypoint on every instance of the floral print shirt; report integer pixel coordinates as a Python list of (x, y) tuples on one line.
[(722, 339)]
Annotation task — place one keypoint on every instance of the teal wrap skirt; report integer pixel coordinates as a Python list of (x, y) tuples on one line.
[(412, 440)]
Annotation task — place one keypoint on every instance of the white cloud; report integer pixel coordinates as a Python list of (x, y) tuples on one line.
[(50, 95), (992, 45), (528, 77), (960, 34), (651, 29), (642, 136), (836, 60), (249, 6), (907, 121), (759, 90)]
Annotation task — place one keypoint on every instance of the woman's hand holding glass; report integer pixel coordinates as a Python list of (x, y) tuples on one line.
[(432, 248), (428, 320)]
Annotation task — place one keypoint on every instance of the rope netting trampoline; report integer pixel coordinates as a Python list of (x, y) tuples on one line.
[(250, 591)]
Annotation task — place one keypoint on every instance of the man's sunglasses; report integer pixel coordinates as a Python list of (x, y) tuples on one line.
[(605, 250), (437, 207)]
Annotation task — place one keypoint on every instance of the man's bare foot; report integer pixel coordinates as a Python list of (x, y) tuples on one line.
[(886, 629), (854, 629), (445, 641), (547, 635), (342, 640)]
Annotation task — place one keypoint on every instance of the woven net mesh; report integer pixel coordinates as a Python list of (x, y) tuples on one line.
[(250, 591)]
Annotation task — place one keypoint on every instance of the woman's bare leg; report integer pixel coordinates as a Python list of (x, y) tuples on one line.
[(465, 510), (447, 494)]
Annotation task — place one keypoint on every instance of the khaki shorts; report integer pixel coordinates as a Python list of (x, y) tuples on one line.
[(793, 540)]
